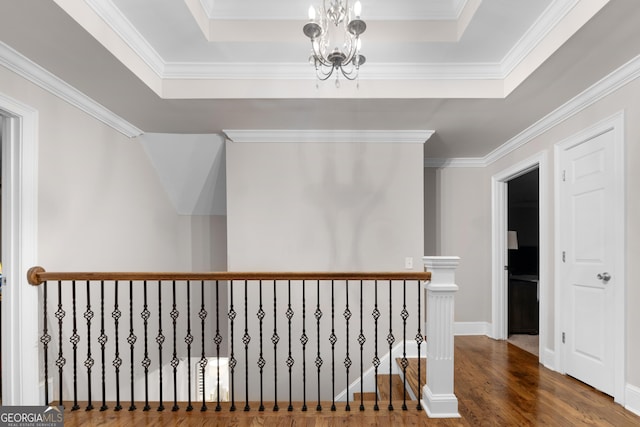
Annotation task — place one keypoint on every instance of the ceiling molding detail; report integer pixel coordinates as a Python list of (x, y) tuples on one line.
[(119, 23), (562, 18), (37, 75), (604, 87), (322, 136)]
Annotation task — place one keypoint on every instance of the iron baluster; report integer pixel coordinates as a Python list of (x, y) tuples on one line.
[(376, 360), (174, 360), (261, 361), (74, 339), (274, 340), (304, 340), (146, 362), (318, 315), (45, 339), (232, 359), (188, 339), (419, 339), (116, 314), (333, 339), (160, 341), (88, 315), (203, 360), (102, 339), (218, 340), (404, 362), (246, 339), (390, 341), (347, 359), (361, 341), (60, 361), (131, 339), (290, 361)]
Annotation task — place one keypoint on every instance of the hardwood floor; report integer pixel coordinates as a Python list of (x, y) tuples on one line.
[(497, 384)]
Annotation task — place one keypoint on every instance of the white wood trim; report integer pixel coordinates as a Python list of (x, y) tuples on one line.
[(298, 136), (632, 399), (37, 75), (614, 123), (471, 328), (609, 84), (20, 345), (498, 244)]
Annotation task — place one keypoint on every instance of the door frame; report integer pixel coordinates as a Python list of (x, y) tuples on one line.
[(20, 345), (499, 196), (613, 124)]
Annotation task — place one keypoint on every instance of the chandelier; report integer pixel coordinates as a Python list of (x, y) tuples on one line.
[(334, 31)]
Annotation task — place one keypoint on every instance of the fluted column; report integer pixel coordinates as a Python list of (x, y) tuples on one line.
[(439, 400)]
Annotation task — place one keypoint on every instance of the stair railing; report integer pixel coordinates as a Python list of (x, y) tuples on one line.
[(204, 317)]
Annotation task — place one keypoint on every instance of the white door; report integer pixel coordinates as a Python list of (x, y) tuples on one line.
[(589, 250)]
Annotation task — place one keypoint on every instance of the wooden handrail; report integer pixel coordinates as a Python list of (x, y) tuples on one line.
[(38, 275)]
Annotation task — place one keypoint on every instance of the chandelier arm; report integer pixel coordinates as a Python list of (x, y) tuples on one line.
[(350, 75), (324, 75), (319, 58)]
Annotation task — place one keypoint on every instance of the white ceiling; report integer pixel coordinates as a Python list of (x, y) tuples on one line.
[(476, 72)]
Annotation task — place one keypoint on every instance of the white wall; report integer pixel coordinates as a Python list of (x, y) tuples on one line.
[(464, 200), (325, 207)]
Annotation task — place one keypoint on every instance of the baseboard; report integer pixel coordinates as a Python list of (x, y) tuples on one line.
[(549, 359), (471, 328), (632, 399)]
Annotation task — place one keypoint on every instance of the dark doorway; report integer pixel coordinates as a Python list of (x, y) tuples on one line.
[(524, 247)]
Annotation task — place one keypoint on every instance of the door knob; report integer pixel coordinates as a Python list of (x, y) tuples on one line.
[(605, 277)]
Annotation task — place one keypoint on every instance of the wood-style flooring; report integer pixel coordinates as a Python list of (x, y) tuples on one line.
[(497, 384)]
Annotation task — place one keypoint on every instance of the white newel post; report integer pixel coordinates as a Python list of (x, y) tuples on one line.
[(438, 398)]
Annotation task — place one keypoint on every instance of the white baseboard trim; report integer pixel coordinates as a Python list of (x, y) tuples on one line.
[(471, 328), (632, 399), (549, 359)]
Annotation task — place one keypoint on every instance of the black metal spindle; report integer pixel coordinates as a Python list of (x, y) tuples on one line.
[(390, 340), (333, 339), (60, 361), (318, 315), (146, 362), (131, 340), (232, 358), (89, 362), (304, 340), (116, 314), (45, 339), (274, 340), (74, 339), (261, 361), (361, 341), (203, 360), (290, 361), (404, 362), (376, 359), (419, 339), (246, 339), (188, 339), (174, 360), (218, 340), (160, 338), (102, 339), (347, 359)]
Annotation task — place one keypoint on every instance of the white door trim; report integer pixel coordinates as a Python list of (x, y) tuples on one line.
[(499, 241), (614, 124), (20, 345)]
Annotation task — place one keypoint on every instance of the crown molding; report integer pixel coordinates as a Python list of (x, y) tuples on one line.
[(550, 18), (604, 87), (358, 136), (115, 19), (24, 67)]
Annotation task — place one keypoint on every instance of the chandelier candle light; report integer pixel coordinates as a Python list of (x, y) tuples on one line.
[(328, 28)]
